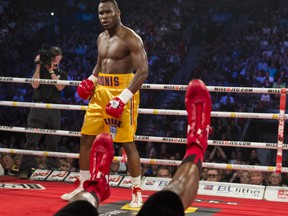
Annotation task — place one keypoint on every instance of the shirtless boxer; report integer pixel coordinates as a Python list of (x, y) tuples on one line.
[(113, 89)]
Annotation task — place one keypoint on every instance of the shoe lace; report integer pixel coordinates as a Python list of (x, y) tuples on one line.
[(77, 182), (201, 131), (136, 195), (207, 130)]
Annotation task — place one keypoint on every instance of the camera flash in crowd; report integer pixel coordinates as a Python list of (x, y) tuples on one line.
[(52, 13)]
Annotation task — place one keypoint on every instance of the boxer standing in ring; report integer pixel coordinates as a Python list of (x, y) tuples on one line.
[(113, 89)]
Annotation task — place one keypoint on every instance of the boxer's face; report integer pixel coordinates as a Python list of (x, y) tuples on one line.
[(109, 15)]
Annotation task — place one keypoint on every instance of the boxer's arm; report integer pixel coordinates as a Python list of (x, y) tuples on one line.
[(86, 88), (97, 69), (139, 61)]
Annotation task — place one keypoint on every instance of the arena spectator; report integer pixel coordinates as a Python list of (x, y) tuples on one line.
[(265, 101), (245, 177), (114, 168), (41, 162), (213, 175), (275, 179), (64, 165), (232, 159), (152, 170), (204, 174), (150, 150), (7, 162), (1, 170), (163, 153), (164, 172), (146, 169), (253, 159), (218, 155), (257, 178)]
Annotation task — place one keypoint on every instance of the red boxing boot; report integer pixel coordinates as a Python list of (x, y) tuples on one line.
[(198, 106), (101, 156), (99, 188)]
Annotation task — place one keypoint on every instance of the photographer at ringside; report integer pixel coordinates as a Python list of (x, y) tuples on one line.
[(47, 67)]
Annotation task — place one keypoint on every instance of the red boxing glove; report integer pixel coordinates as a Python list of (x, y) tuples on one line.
[(115, 107), (86, 87)]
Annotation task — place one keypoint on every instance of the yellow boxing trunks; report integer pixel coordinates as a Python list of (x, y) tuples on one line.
[(96, 119)]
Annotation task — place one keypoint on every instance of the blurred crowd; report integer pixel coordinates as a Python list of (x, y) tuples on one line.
[(243, 44)]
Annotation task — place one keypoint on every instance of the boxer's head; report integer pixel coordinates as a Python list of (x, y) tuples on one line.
[(109, 14), (112, 1)]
